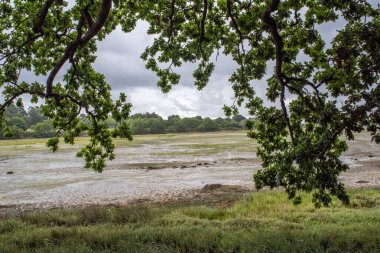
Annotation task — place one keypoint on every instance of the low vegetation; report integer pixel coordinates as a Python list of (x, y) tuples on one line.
[(260, 222)]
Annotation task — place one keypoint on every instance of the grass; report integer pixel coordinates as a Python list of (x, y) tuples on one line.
[(175, 137), (261, 222), (196, 143)]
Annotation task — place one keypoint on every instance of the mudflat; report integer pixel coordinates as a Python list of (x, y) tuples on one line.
[(150, 168)]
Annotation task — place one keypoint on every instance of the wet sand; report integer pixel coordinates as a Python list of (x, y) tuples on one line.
[(157, 169)]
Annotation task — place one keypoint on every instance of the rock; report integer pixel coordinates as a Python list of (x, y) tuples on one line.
[(10, 173), (370, 156), (183, 167), (211, 187), (199, 164), (362, 182), (152, 168), (193, 166)]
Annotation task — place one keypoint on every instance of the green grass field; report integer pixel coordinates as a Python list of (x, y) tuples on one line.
[(261, 222), (214, 140)]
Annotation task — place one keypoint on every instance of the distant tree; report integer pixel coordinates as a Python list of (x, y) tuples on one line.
[(146, 115), (14, 123), (229, 124), (174, 118), (35, 116), (156, 125), (13, 110), (175, 124), (208, 125), (219, 120), (17, 121), (138, 126), (238, 118), (191, 123), (111, 123), (43, 129)]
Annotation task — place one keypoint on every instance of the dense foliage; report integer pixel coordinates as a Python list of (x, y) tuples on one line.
[(20, 123), (321, 90)]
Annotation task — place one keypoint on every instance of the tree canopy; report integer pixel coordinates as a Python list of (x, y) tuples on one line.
[(320, 91)]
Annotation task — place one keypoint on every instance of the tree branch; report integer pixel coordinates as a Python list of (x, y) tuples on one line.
[(234, 22), (315, 87), (81, 40), (204, 15), (87, 16), (272, 27), (171, 28), (37, 27)]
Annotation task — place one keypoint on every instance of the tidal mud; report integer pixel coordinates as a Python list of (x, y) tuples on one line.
[(154, 168)]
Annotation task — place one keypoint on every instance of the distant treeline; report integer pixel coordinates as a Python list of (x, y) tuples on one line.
[(20, 123), (152, 123)]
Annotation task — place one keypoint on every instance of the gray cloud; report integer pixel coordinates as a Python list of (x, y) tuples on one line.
[(183, 100), (118, 57)]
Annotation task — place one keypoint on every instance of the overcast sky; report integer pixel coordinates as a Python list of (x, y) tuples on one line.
[(118, 58)]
